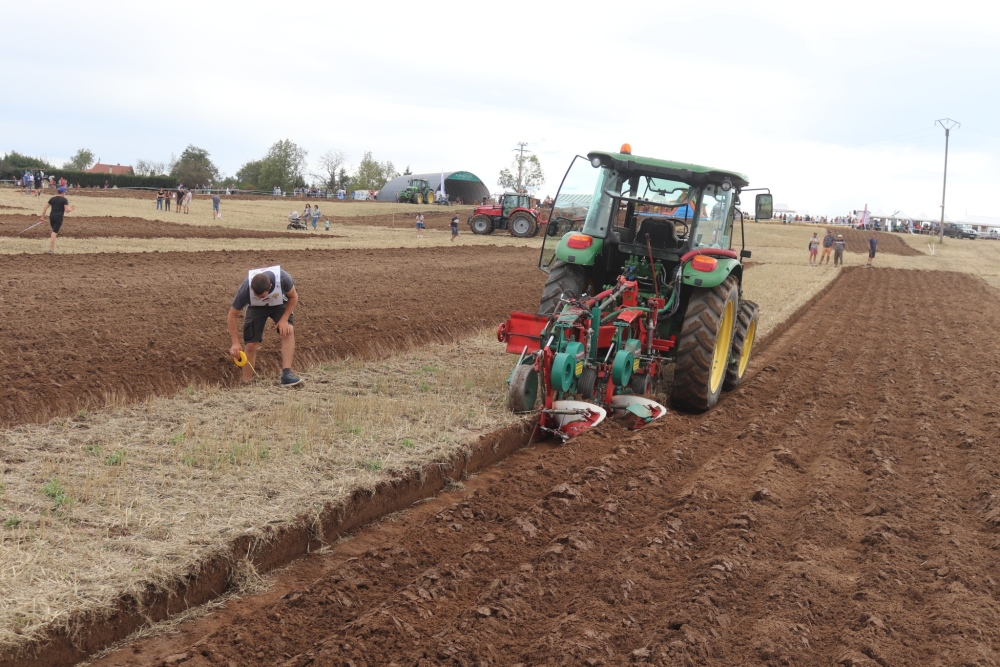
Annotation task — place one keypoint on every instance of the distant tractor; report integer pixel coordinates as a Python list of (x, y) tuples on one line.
[(515, 213), (418, 191)]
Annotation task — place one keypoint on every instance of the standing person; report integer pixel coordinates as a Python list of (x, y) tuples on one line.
[(187, 201), (180, 198), (159, 200), (420, 225), (216, 200), (307, 215), (454, 227), (265, 293), (60, 206), (828, 242), (167, 198), (838, 251), (326, 223), (38, 184), (813, 248), (316, 215), (872, 245)]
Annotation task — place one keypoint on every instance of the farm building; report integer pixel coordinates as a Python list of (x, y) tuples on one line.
[(115, 169), (457, 184)]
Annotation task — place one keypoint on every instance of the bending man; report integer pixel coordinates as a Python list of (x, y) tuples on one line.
[(266, 293)]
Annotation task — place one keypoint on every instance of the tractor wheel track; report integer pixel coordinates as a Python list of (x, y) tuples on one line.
[(839, 508)]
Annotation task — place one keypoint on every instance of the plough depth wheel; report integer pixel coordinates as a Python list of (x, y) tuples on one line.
[(523, 391)]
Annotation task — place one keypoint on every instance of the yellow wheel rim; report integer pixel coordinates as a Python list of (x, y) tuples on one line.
[(747, 347), (430, 197), (723, 342)]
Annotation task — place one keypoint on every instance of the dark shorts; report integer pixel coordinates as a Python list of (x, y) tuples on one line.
[(55, 223), (256, 319), (871, 254)]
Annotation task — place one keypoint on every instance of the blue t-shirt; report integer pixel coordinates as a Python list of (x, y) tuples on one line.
[(872, 244)]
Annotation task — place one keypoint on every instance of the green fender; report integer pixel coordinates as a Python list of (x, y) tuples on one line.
[(580, 256), (696, 278)]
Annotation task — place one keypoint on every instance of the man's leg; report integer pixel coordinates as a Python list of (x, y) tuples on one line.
[(52, 242), (287, 350), (251, 350)]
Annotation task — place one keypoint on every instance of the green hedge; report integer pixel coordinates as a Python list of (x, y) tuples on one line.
[(86, 180)]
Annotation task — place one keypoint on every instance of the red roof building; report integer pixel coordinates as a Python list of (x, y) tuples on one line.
[(115, 169)]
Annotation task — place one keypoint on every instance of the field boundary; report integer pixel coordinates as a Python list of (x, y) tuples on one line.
[(266, 550)]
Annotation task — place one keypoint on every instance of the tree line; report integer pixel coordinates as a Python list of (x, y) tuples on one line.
[(283, 166)]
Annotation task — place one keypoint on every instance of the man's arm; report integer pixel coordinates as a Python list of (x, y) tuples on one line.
[(284, 328), (234, 349), (45, 210)]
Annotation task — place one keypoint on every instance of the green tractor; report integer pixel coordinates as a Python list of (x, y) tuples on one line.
[(641, 276), (417, 191)]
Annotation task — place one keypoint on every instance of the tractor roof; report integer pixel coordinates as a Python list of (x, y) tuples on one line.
[(689, 173)]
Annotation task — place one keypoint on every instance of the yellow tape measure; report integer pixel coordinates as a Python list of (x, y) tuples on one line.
[(242, 361)]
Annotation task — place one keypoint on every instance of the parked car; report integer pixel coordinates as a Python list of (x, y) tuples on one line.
[(957, 231), (993, 234)]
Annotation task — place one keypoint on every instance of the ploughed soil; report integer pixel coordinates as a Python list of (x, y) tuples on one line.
[(840, 508), (81, 327), (890, 243), (85, 227)]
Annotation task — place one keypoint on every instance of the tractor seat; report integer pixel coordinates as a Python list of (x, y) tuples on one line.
[(662, 234)]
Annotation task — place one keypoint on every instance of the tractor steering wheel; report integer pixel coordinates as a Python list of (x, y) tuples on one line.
[(687, 228)]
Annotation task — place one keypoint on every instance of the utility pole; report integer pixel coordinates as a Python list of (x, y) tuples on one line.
[(520, 150), (948, 124)]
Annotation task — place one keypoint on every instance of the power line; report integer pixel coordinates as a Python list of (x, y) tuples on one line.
[(905, 134)]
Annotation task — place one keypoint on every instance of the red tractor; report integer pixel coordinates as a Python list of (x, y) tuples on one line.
[(515, 213)]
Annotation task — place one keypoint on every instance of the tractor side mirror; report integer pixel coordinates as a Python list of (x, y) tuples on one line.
[(763, 206), (744, 254)]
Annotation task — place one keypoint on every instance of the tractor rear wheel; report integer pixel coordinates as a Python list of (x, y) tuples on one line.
[(523, 391), (564, 279), (743, 339), (703, 346), (522, 225), (481, 224), (430, 197)]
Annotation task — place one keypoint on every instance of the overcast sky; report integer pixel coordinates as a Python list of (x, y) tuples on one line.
[(808, 102)]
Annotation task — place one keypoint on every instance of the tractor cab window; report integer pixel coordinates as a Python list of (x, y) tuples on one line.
[(714, 226), (510, 202), (571, 207), (659, 208)]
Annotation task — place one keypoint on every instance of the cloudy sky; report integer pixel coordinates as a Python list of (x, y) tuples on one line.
[(831, 108)]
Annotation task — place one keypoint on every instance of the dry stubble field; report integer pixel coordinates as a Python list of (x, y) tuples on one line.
[(336, 442)]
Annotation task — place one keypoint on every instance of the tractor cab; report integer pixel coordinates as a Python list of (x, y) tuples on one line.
[(510, 202), (615, 210), (419, 183)]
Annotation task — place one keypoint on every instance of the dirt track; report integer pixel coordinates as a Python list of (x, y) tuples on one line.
[(839, 509), (86, 227), (158, 321)]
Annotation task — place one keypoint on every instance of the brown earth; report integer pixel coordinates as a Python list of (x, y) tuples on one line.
[(839, 509), (80, 327), (889, 243), (85, 227)]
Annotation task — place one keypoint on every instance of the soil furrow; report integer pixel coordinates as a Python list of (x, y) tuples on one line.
[(158, 321), (838, 509)]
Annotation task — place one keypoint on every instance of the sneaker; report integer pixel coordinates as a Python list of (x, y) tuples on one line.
[(289, 380)]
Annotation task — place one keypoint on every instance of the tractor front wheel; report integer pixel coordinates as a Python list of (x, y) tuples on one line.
[(564, 280), (523, 391), (418, 198), (704, 345), (522, 225), (481, 224), (743, 338)]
